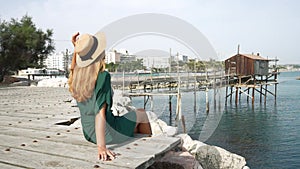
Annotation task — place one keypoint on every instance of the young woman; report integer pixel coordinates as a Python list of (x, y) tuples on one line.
[(90, 85)]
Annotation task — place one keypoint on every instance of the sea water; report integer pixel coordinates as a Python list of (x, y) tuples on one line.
[(267, 135)]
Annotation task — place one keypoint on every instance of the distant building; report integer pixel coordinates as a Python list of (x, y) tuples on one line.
[(56, 61), (184, 58), (247, 64), (158, 62), (128, 58), (113, 57), (180, 57)]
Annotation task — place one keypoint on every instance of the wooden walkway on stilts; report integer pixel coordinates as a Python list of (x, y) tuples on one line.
[(30, 137), (239, 85)]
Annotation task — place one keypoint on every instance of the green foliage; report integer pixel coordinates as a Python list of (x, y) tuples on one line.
[(112, 67), (196, 66), (131, 66), (22, 45), (296, 66)]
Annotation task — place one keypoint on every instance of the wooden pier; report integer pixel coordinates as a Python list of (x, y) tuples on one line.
[(239, 85), (242, 72), (30, 136)]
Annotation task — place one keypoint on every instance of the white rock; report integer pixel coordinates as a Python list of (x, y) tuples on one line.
[(169, 130), (211, 157), (156, 129), (160, 127), (188, 144), (246, 167), (214, 157), (121, 104), (151, 116)]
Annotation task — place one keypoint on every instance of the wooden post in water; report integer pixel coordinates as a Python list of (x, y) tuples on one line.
[(183, 124), (240, 93), (170, 108), (214, 86), (178, 109), (248, 92), (226, 87), (266, 89), (152, 103), (221, 83), (195, 94), (275, 77), (253, 90), (261, 80), (206, 93), (236, 95), (231, 87), (275, 85)]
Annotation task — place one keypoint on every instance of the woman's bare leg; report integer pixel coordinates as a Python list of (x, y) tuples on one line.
[(142, 122)]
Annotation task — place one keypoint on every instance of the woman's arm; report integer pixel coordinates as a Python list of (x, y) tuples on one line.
[(100, 122)]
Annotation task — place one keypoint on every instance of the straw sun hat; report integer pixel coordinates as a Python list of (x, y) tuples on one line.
[(89, 48)]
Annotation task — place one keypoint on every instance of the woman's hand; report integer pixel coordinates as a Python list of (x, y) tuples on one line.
[(74, 38), (105, 154)]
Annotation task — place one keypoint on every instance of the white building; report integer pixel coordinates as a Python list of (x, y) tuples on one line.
[(113, 57), (55, 61), (179, 57)]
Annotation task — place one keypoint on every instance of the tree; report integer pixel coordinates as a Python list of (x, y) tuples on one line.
[(111, 67), (22, 45), (198, 66), (130, 66)]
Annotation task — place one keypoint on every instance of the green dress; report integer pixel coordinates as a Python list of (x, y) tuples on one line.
[(118, 128)]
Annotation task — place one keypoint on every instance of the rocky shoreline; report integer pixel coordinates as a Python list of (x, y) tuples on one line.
[(193, 153), (190, 154)]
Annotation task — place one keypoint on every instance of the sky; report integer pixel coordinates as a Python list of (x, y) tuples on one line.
[(268, 27)]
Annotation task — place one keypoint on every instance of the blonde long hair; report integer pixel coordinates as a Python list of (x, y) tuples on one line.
[(82, 80)]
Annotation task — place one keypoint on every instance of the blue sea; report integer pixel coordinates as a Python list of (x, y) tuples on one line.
[(267, 135)]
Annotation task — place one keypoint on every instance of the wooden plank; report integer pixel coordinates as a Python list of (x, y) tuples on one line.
[(38, 117), (40, 125), (57, 136), (85, 156), (136, 153), (29, 137), (7, 165), (20, 158)]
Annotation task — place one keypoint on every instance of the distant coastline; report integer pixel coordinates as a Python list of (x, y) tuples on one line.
[(289, 70)]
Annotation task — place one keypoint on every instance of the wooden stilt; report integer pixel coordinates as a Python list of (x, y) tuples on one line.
[(226, 95), (253, 90), (248, 92), (183, 124), (275, 77), (231, 94), (236, 95), (240, 93), (170, 109), (266, 89), (260, 98)]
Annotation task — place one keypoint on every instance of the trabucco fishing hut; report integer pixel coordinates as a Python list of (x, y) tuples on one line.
[(250, 71)]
